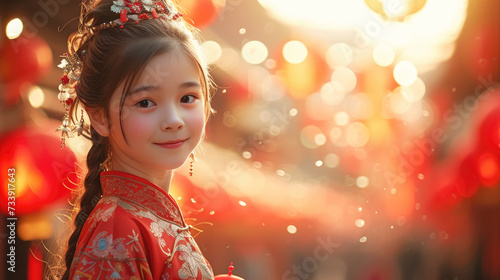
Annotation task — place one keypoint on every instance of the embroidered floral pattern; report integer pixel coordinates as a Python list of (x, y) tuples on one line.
[(136, 231), (156, 229), (193, 262)]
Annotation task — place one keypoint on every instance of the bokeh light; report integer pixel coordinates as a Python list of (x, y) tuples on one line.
[(36, 96), (341, 118), (383, 55), (332, 160), (212, 51), (399, 104), (405, 73), (332, 93), (291, 229), (362, 182), (294, 52), (308, 136), (229, 59), (414, 92), (339, 54), (14, 28), (357, 135), (254, 52), (345, 77), (359, 223)]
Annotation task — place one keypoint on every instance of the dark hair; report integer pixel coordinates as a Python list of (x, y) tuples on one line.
[(109, 57)]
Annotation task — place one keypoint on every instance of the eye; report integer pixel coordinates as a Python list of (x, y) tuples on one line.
[(146, 103), (190, 98)]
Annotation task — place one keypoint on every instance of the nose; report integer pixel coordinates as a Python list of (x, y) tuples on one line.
[(172, 119)]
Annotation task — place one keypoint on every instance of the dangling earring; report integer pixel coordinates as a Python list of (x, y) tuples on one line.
[(191, 164), (106, 165)]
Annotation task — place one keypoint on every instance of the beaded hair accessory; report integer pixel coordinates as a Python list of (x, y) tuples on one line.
[(137, 10), (72, 68), (130, 11)]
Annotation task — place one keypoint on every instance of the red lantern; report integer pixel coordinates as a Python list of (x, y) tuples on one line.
[(38, 166), (202, 13), (488, 168), (24, 59), (228, 276), (466, 181), (489, 130)]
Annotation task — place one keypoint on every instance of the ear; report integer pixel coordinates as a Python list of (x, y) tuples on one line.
[(99, 121)]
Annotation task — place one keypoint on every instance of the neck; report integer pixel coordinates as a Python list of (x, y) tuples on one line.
[(161, 178)]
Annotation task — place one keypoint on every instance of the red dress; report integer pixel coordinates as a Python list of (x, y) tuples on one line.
[(137, 231)]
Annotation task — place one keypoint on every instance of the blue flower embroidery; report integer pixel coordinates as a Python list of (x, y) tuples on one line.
[(103, 244), (115, 275)]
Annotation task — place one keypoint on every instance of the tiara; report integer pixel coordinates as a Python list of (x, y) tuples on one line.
[(137, 10), (129, 10)]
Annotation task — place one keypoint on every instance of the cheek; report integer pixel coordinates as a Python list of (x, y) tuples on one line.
[(133, 126), (137, 125), (196, 121)]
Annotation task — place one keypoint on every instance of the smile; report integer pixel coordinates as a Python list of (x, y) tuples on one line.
[(172, 144)]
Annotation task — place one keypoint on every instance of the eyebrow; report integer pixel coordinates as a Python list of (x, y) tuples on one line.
[(140, 88), (190, 84)]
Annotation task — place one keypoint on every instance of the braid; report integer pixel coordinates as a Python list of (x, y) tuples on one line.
[(96, 156)]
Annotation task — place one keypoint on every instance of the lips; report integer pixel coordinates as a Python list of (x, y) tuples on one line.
[(172, 144)]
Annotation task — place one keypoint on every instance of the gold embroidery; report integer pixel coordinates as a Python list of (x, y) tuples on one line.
[(79, 273), (144, 269), (146, 195)]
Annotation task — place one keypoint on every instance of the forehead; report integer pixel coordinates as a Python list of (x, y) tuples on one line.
[(170, 67)]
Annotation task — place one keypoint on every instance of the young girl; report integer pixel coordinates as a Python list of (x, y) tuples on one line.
[(137, 69)]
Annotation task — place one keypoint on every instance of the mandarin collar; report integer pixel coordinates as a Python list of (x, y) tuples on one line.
[(142, 192)]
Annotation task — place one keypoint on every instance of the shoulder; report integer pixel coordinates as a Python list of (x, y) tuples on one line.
[(113, 211), (112, 240), (112, 222)]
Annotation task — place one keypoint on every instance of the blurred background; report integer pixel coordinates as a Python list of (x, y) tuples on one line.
[(353, 139)]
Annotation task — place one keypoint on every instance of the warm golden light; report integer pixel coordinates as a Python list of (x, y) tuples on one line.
[(36, 226), (308, 136), (212, 51), (317, 13), (332, 160), (345, 77), (229, 59), (341, 118), (332, 93), (398, 103), (383, 55), (362, 182), (320, 139), (415, 91), (339, 54), (294, 52), (405, 73), (254, 52), (359, 223), (396, 9), (426, 33), (14, 28), (357, 135), (36, 96)]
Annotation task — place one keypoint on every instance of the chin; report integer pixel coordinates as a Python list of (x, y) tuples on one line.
[(171, 165)]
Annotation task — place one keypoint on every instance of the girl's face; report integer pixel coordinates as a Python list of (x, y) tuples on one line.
[(162, 117)]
